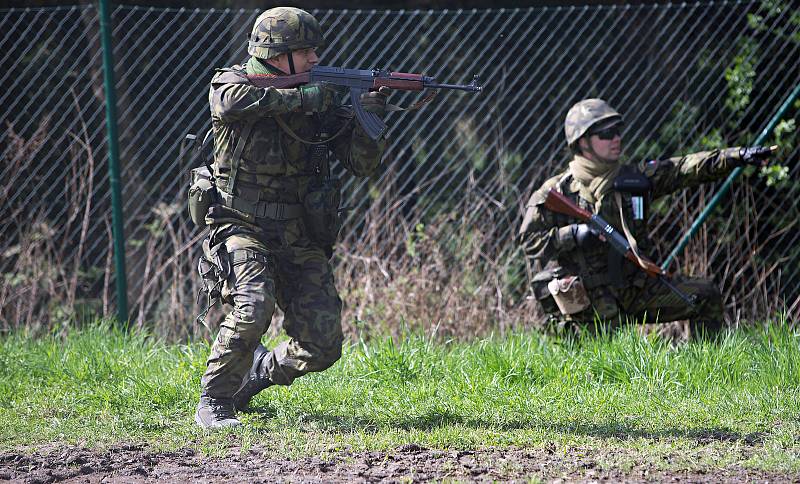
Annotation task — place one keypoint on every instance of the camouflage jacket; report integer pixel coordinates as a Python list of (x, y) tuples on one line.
[(274, 166), (545, 234)]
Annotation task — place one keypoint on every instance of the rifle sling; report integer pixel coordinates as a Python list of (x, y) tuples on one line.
[(285, 127), (415, 106), (628, 234)]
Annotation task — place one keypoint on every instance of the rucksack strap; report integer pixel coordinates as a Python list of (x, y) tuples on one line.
[(237, 157)]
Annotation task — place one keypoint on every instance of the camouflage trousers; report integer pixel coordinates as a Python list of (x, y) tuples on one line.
[(300, 281), (653, 302)]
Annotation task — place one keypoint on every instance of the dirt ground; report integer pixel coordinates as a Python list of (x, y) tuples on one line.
[(409, 463)]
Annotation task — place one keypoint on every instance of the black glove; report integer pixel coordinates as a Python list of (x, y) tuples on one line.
[(587, 238), (754, 155), (375, 101)]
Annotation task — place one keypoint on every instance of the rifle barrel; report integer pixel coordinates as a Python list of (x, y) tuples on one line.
[(460, 87), (690, 300)]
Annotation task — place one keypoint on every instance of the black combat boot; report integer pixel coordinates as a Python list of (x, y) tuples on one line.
[(254, 380), (708, 329), (215, 413)]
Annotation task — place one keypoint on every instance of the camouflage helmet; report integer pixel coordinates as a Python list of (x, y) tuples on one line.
[(585, 114), (280, 30)]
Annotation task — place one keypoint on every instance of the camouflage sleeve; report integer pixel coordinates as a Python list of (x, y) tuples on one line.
[(356, 150), (237, 102), (691, 170), (540, 235)]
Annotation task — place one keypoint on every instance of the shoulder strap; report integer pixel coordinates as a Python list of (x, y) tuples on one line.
[(237, 156), (564, 180), (230, 76)]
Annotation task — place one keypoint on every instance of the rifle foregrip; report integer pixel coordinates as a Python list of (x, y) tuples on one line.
[(651, 268), (398, 84)]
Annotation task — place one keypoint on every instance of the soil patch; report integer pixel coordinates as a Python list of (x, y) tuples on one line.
[(408, 463)]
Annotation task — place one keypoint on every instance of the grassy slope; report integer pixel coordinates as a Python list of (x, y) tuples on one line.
[(624, 398)]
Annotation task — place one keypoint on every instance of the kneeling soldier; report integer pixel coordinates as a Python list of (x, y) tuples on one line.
[(582, 277)]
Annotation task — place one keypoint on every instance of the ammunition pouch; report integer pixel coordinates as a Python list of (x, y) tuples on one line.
[(202, 193), (322, 218)]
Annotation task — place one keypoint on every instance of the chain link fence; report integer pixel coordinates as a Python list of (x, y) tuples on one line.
[(445, 205)]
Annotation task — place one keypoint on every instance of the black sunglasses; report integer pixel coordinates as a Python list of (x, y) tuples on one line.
[(609, 133)]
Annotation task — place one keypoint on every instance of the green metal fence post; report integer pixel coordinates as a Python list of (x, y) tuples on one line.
[(113, 162), (729, 181)]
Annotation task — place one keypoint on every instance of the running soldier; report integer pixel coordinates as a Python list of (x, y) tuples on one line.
[(277, 217)]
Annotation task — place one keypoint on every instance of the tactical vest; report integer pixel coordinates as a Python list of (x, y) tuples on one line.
[(265, 167), (577, 261)]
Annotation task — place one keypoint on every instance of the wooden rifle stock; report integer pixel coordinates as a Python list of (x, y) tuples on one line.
[(557, 202), (279, 82)]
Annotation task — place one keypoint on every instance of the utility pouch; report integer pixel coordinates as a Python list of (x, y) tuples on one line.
[(321, 215), (542, 293), (214, 268), (569, 294), (209, 277), (637, 186), (202, 193), (633, 182)]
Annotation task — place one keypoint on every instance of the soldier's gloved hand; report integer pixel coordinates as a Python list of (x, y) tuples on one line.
[(315, 97), (375, 101), (586, 237), (755, 155)]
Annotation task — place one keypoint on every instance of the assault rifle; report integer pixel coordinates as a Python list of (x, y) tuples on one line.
[(557, 202), (360, 81)]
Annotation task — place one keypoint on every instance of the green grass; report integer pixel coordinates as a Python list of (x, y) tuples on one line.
[(623, 397)]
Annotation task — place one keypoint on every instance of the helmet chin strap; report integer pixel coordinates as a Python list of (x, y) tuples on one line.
[(290, 58)]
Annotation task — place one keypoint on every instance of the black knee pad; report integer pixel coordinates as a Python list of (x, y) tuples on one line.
[(325, 357)]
